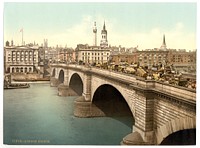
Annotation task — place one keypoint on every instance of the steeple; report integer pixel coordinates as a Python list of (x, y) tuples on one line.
[(104, 41), (104, 26), (164, 40), (163, 46)]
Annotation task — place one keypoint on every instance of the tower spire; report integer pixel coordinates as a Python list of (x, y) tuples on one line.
[(164, 40), (104, 41), (163, 46), (104, 26)]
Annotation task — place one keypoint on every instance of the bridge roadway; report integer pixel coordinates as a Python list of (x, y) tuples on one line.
[(158, 109)]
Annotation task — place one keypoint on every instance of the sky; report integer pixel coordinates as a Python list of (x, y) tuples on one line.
[(128, 24)]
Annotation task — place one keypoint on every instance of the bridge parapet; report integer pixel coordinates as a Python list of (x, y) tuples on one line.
[(137, 82), (185, 93)]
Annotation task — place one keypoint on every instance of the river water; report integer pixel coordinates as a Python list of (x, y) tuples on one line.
[(37, 116)]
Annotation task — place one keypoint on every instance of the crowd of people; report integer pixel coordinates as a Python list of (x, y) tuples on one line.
[(166, 74)]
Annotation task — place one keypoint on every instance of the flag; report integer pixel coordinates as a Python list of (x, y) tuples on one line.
[(21, 30)]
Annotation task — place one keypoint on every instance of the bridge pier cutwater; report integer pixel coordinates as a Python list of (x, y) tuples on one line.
[(64, 90), (54, 82), (158, 109)]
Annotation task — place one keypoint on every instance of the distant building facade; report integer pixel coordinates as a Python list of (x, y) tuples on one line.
[(181, 60), (152, 57), (21, 59), (94, 54), (66, 55), (130, 58)]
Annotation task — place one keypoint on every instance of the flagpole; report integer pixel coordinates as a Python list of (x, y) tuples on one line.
[(22, 31), (22, 36)]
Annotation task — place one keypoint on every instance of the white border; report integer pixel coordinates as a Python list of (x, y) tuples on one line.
[(55, 146)]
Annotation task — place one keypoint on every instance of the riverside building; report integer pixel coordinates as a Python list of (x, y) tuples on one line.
[(22, 59)]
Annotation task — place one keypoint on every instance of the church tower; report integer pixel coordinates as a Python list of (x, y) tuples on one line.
[(163, 46), (104, 41), (95, 34)]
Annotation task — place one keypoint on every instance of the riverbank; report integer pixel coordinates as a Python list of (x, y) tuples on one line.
[(28, 77), (30, 82)]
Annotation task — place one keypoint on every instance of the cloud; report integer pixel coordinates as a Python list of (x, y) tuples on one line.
[(176, 38), (81, 33)]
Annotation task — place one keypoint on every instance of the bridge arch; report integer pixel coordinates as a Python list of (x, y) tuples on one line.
[(61, 76), (174, 126), (76, 84), (128, 94), (182, 137), (111, 101), (53, 74)]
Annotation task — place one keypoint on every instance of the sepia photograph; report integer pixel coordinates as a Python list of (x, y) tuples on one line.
[(99, 73)]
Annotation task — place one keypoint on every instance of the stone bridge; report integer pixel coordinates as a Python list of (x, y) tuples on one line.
[(158, 109)]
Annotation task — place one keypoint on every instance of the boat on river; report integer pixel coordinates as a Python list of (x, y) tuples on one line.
[(9, 85), (17, 86)]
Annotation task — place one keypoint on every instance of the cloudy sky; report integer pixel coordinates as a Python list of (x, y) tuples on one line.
[(128, 24)]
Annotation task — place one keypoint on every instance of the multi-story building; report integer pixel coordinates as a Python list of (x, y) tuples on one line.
[(182, 60), (130, 58), (24, 59), (148, 58), (94, 54), (66, 55)]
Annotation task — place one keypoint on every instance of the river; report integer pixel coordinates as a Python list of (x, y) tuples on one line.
[(38, 116)]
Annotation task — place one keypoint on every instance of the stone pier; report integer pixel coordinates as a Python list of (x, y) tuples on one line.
[(134, 139), (64, 90), (83, 108), (54, 82)]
